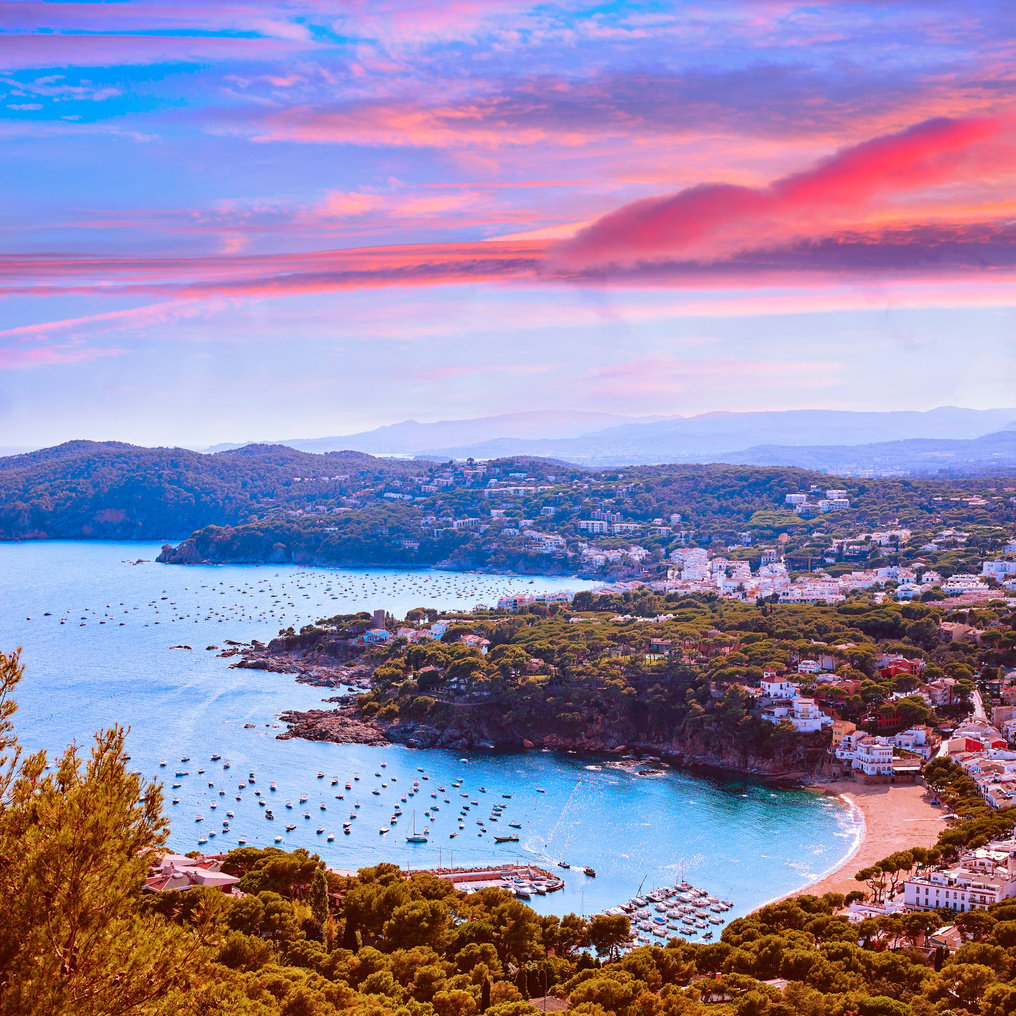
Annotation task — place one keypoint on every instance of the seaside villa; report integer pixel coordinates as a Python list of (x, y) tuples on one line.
[(801, 713), (176, 872)]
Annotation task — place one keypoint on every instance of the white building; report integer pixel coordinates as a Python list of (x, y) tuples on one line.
[(778, 688), (981, 877), (998, 569), (807, 717), (873, 757), (956, 585), (915, 739), (802, 714)]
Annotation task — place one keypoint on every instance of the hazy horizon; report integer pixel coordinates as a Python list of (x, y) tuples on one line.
[(535, 415)]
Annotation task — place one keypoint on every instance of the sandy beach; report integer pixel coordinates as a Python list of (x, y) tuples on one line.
[(895, 818)]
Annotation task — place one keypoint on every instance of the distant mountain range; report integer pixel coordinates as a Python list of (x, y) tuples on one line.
[(991, 453), (887, 443), (413, 438)]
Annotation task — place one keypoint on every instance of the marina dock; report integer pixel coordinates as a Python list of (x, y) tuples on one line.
[(498, 875)]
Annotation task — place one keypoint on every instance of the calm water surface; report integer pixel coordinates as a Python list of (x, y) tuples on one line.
[(98, 633)]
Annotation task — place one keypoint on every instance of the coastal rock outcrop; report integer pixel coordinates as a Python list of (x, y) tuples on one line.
[(341, 726), (323, 662), (326, 659)]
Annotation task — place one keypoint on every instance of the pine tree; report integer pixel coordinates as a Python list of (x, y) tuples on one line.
[(75, 845)]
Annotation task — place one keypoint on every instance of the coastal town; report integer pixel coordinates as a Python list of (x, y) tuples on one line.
[(508, 508), (737, 531)]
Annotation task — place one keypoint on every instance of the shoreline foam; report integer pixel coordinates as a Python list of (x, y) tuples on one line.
[(893, 817)]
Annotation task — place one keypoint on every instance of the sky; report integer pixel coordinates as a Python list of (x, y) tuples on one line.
[(247, 220)]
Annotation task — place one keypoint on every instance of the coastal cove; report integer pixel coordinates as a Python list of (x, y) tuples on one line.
[(115, 659)]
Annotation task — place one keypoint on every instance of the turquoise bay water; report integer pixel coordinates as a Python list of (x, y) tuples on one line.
[(112, 661)]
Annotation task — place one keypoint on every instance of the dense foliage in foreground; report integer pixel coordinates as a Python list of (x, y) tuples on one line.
[(81, 938)]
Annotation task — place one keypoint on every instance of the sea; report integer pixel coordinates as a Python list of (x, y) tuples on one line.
[(101, 626)]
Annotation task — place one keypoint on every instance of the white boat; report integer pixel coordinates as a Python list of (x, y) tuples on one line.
[(414, 836)]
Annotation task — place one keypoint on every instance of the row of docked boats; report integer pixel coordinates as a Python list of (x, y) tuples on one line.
[(536, 885), (677, 911)]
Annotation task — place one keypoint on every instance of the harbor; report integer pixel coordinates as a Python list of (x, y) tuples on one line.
[(522, 880), (743, 840), (681, 910)]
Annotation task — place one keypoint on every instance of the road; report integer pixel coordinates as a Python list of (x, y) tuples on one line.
[(979, 712)]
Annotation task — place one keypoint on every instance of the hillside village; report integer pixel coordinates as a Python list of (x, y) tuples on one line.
[(605, 520), (762, 531)]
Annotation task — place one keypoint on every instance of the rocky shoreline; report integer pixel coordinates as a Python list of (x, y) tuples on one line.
[(342, 725), (323, 664), (345, 725), (187, 552), (337, 663)]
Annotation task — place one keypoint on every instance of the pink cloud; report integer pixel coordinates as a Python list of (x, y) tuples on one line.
[(401, 124), (892, 207), (27, 346), (393, 206), (274, 274), (53, 355), (712, 220), (943, 252)]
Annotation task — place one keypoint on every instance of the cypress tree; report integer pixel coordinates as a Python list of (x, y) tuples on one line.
[(319, 896)]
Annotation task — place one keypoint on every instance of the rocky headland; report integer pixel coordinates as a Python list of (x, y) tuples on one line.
[(334, 662)]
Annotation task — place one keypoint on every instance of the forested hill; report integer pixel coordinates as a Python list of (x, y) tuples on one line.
[(274, 503), (111, 490)]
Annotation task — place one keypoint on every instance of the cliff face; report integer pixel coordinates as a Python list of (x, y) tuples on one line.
[(329, 660), (476, 729), (471, 728)]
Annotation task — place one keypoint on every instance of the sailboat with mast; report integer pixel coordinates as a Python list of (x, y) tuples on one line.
[(414, 836)]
